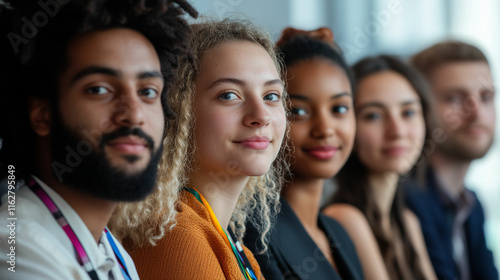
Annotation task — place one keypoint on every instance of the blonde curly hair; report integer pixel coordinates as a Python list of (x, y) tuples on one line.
[(149, 219)]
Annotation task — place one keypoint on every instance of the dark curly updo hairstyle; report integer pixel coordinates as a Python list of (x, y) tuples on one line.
[(298, 45), (33, 40)]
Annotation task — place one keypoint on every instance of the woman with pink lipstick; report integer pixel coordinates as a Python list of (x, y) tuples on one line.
[(392, 110), (305, 244), (223, 159)]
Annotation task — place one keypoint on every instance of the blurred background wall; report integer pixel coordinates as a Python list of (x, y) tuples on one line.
[(397, 27)]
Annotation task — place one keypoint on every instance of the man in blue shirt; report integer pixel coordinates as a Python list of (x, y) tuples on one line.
[(451, 215)]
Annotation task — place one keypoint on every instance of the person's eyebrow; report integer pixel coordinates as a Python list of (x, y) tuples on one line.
[(383, 106), (149, 74), (226, 81), (339, 95), (299, 97), (370, 104), (242, 83), (274, 82), (410, 102), (305, 98), (96, 70)]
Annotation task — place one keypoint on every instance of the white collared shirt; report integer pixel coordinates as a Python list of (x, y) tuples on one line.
[(42, 248)]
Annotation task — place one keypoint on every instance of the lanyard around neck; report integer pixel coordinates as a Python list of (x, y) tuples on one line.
[(243, 262), (81, 254), (118, 255)]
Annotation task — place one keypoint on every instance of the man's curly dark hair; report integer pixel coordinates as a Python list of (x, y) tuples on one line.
[(33, 40)]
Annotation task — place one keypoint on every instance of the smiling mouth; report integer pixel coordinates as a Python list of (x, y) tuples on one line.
[(394, 151), (255, 143), (323, 152)]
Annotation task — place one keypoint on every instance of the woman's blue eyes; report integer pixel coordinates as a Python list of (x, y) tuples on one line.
[(272, 97), (228, 96)]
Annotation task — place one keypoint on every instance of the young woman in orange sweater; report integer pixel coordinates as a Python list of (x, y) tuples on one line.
[(223, 159)]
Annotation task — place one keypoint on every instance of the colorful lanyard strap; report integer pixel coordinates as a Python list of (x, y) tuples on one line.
[(118, 255), (242, 259), (80, 253)]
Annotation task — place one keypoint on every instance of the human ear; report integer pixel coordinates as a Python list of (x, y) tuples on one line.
[(40, 115)]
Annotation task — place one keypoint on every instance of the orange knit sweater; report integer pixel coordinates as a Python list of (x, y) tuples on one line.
[(194, 249)]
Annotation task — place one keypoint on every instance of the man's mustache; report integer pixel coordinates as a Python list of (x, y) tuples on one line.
[(127, 131)]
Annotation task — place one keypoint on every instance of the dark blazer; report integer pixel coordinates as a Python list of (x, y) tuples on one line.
[(292, 254), (437, 231)]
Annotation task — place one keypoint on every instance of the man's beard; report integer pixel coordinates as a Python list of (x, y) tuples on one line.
[(463, 151), (94, 174)]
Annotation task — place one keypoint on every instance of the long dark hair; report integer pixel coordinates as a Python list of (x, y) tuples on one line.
[(352, 179)]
